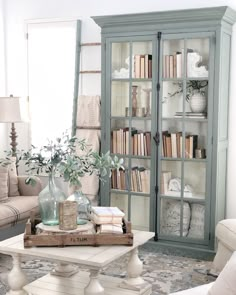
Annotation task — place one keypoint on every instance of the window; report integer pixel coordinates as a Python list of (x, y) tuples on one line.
[(51, 76)]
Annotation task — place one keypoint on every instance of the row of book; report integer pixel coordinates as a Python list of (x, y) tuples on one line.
[(172, 145), (143, 66), (173, 64), (119, 179), (139, 179), (140, 142)]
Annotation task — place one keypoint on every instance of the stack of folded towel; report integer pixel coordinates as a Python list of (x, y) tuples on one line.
[(107, 219)]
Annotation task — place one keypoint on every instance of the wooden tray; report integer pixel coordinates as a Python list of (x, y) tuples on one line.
[(32, 239)]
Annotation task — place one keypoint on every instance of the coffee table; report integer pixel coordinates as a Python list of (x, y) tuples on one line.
[(82, 282)]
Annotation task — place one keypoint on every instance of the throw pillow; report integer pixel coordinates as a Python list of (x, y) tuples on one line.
[(196, 229), (225, 283), (3, 184), (171, 213), (13, 179)]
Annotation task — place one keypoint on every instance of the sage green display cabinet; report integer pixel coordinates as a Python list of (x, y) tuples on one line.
[(165, 100)]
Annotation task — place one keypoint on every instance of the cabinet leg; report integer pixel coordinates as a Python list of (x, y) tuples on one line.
[(94, 287), (64, 270), (134, 270), (16, 278)]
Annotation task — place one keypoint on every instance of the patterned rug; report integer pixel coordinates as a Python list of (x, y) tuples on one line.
[(166, 273)]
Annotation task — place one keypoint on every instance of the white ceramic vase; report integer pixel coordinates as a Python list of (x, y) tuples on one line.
[(198, 102)]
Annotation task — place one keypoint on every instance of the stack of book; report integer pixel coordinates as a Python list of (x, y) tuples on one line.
[(107, 219), (191, 115), (172, 145), (143, 66)]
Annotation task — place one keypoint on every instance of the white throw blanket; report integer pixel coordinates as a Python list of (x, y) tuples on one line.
[(88, 111), (88, 118)]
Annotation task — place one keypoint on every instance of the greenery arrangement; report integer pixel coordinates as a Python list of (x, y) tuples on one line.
[(60, 157), (191, 87)]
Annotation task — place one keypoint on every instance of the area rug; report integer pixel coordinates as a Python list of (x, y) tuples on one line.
[(167, 273)]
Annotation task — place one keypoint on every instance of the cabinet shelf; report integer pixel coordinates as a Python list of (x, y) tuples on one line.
[(132, 118), (194, 199), (192, 119), (125, 192), (131, 79), (132, 156), (204, 160), (185, 79)]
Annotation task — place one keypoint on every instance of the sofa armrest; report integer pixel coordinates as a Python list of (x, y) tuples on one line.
[(28, 189)]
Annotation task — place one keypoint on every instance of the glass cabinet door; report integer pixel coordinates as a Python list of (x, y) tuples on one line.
[(185, 137), (130, 128)]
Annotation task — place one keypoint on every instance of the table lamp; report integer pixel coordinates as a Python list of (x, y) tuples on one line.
[(13, 110)]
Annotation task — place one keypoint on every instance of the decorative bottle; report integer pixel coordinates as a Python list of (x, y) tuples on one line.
[(49, 199)]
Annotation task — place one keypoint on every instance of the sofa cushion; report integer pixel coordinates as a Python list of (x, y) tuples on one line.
[(13, 180), (17, 209), (226, 233), (3, 184), (171, 217), (225, 284)]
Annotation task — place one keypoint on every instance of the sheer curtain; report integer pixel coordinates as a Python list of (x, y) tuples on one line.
[(51, 70)]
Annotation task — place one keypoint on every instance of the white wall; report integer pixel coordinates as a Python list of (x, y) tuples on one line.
[(18, 11), (3, 127)]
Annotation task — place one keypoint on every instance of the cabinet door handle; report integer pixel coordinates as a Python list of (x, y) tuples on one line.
[(157, 138)]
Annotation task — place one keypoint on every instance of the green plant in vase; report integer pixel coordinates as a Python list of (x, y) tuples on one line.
[(60, 157), (75, 167)]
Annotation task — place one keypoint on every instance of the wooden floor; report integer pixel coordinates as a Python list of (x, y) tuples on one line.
[(52, 285)]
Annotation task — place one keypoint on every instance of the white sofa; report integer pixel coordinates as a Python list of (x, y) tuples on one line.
[(226, 243), (200, 290)]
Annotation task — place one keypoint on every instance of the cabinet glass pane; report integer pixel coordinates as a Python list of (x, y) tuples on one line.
[(120, 178), (120, 60), (197, 221), (119, 98), (197, 57), (175, 218), (142, 55), (172, 99), (140, 208), (171, 173), (141, 137), (141, 94), (173, 52), (195, 180), (195, 139), (172, 142), (140, 176), (120, 201), (119, 136)]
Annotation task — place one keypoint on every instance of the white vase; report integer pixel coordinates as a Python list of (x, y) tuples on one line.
[(198, 102)]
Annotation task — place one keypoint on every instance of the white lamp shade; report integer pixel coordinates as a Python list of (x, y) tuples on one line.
[(13, 109)]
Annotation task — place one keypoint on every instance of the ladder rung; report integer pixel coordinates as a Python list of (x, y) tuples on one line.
[(88, 127), (90, 72), (91, 44)]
